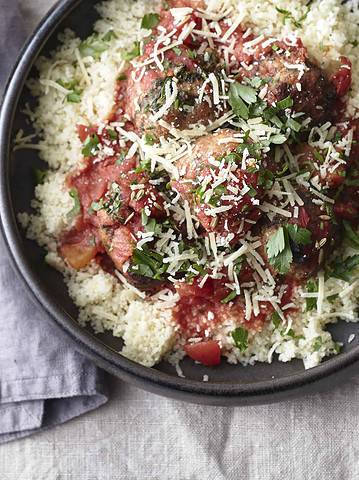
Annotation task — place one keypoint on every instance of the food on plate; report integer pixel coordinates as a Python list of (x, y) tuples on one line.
[(202, 182)]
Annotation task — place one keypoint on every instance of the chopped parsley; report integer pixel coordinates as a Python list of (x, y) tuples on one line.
[(279, 249), (317, 344), (76, 209), (240, 337), (276, 320), (239, 96), (150, 20), (177, 50), (74, 96), (150, 139), (266, 179), (90, 146), (231, 296), (121, 157), (350, 235), (287, 15), (112, 134), (109, 36), (39, 175), (93, 47), (343, 268), (148, 263), (131, 54), (111, 202), (311, 302)]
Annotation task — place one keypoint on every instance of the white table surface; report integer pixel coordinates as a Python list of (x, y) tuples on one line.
[(141, 436)]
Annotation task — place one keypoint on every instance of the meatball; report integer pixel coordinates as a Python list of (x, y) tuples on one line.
[(306, 257), (288, 72), (182, 85), (329, 171), (221, 187)]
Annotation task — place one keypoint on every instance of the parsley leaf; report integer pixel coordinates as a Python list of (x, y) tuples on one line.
[(92, 47), (279, 249), (317, 344), (150, 139), (150, 20), (351, 235), (135, 52), (40, 175), (231, 296), (148, 263), (287, 15), (236, 102), (240, 337), (266, 179), (276, 243), (301, 236), (109, 36), (311, 302), (76, 209), (343, 269), (90, 146), (276, 319), (74, 97)]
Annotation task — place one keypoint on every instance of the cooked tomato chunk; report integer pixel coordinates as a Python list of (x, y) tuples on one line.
[(208, 353), (79, 246), (118, 243)]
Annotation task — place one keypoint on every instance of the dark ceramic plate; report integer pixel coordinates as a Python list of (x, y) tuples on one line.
[(228, 384)]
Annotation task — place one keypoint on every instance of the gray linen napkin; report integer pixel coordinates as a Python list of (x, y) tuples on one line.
[(43, 380)]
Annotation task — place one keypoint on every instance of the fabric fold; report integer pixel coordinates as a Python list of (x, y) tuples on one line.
[(44, 381)]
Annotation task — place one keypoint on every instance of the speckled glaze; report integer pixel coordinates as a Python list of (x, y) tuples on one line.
[(228, 384)]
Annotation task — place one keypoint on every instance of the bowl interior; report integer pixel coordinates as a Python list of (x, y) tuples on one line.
[(22, 184)]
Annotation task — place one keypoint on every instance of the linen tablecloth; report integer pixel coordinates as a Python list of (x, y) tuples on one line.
[(43, 380), (141, 436)]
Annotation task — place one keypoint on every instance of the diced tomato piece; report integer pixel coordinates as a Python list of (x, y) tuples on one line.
[(83, 132), (343, 78), (78, 255), (208, 353), (118, 244)]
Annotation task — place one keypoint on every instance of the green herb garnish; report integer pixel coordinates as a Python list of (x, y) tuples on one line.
[(40, 175), (265, 179), (109, 36), (93, 47), (135, 52), (76, 209), (276, 319), (150, 20), (343, 268), (279, 249), (240, 337), (351, 236), (148, 263), (90, 146), (231, 296), (311, 302), (287, 15), (150, 139), (317, 344)]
